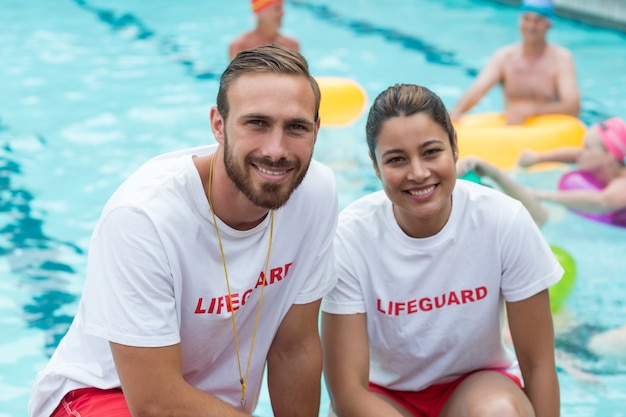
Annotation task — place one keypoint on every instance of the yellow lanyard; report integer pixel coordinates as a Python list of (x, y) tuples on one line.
[(242, 379)]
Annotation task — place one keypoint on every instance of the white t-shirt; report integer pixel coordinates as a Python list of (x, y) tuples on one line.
[(155, 278), (434, 306)]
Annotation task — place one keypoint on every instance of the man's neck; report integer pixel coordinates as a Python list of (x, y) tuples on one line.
[(267, 32), (534, 49)]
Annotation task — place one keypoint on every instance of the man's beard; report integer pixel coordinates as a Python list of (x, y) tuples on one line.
[(270, 195)]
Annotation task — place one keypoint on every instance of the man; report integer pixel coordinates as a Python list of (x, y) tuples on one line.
[(209, 264), (269, 15), (536, 77)]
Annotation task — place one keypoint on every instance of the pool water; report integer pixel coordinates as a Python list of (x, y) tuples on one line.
[(90, 89)]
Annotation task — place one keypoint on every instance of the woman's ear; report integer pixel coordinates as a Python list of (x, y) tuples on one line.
[(455, 148), (374, 165)]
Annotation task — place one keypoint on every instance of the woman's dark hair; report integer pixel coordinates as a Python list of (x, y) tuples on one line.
[(405, 100)]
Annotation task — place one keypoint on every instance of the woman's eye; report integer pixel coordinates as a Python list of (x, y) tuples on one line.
[(432, 151), (393, 160)]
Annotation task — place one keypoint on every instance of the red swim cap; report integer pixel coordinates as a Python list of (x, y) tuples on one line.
[(259, 5), (613, 135)]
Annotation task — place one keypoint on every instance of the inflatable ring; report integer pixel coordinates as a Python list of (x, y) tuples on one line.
[(562, 289), (488, 136), (580, 180), (343, 101)]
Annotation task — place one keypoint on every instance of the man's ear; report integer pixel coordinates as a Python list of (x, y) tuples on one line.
[(217, 125), (317, 127)]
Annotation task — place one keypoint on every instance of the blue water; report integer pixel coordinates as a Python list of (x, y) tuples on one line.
[(91, 89)]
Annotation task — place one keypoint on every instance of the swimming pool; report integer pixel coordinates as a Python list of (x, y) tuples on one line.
[(93, 88)]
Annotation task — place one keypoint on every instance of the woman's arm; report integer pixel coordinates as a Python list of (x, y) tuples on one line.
[(346, 368), (567, 155), (532, 333), (611, 198), (506, 184)]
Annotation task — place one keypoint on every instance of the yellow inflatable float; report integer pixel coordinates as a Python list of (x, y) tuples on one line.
[(488, 136), (343, 101)]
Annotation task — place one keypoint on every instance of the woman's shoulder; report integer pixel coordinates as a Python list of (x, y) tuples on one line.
[(477, 198), (366, 211)]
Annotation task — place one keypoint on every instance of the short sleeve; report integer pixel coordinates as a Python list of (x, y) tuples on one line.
[(346, 297), (129, 291), (528, 263)]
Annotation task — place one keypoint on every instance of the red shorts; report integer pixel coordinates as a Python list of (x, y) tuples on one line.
[(430, 401), (93, 402)]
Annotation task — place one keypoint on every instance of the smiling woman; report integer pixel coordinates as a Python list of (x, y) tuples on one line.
[(449, 271)]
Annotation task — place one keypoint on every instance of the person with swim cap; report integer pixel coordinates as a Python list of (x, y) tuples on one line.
[(542, 7), (602, 157), (537, 77), (269, 15)]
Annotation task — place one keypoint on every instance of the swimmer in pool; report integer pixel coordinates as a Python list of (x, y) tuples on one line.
[(537, 77), (269, 15), (602, 156)]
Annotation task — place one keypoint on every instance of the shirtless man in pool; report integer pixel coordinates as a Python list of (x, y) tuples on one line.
[(536, 77), (269, 15)]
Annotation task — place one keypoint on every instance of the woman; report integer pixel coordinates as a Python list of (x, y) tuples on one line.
[(601, 159), (426, 268)]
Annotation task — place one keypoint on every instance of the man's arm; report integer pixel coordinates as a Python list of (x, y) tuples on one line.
[(294, 363), (488, 77), (346, 368), (153, 384)]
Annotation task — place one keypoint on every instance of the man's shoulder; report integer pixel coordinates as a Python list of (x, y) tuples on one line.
[(505, 54), (508, 50), (288, 42), (318, 184), (242, 42), (320, 175), (559, 50)]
